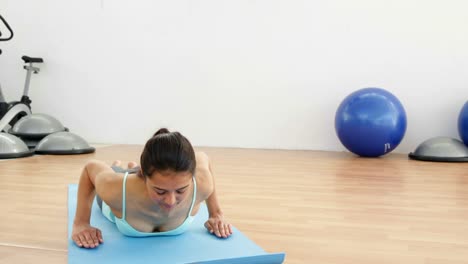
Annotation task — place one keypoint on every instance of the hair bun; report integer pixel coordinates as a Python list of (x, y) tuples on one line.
[(161, 131)]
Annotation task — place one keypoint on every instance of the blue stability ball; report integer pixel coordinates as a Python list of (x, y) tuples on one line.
[(463, 124), (370, 122)]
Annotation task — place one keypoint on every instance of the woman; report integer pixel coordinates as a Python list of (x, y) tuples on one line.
[(160, 199)]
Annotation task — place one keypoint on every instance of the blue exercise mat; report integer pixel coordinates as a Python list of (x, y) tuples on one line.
[(196, 245)]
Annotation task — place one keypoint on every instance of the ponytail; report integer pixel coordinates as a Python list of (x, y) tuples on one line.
[(161, 131), (167, 151)]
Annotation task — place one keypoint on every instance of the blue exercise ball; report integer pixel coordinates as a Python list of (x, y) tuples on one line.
[(370, 122), (463, 124)]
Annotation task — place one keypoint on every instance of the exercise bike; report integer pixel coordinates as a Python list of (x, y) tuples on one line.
[(11, 112), (23, 133)]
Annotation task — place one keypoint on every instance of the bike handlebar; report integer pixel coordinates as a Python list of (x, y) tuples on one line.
[(9, 29)]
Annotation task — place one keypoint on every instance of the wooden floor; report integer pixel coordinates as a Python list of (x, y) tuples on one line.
[(318, 207)]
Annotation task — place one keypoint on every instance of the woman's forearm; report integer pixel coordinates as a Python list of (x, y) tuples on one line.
[(212, 203), (86, 193)]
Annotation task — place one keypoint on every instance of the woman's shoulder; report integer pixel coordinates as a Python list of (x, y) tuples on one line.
[(202, 159), (109, 187), (203, 175), (114, 193)]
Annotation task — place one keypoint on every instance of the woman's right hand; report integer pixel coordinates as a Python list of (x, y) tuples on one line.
[(84, 235)]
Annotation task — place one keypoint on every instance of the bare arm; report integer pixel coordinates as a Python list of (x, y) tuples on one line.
[(212, 202), (216, 223), (86, 192), (87, 189), (93, 177)]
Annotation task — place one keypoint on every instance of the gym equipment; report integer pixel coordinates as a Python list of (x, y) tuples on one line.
[(443, 149), (36, 126), (8, 28), (33, 128), (62, 143), (11, 146), (196, 245), (370, 122), (463, 123), (446, 149), (21, 130)]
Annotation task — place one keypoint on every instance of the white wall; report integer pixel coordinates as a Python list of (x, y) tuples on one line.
[(244, 73)]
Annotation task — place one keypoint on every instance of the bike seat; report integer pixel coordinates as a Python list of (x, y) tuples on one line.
[(32, 60)]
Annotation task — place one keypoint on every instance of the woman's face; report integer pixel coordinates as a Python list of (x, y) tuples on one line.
[(168, 189)]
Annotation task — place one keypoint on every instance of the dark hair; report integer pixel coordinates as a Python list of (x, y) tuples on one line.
[(167, 151)]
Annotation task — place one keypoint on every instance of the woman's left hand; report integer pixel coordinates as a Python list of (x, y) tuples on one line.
[(218, 226)]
